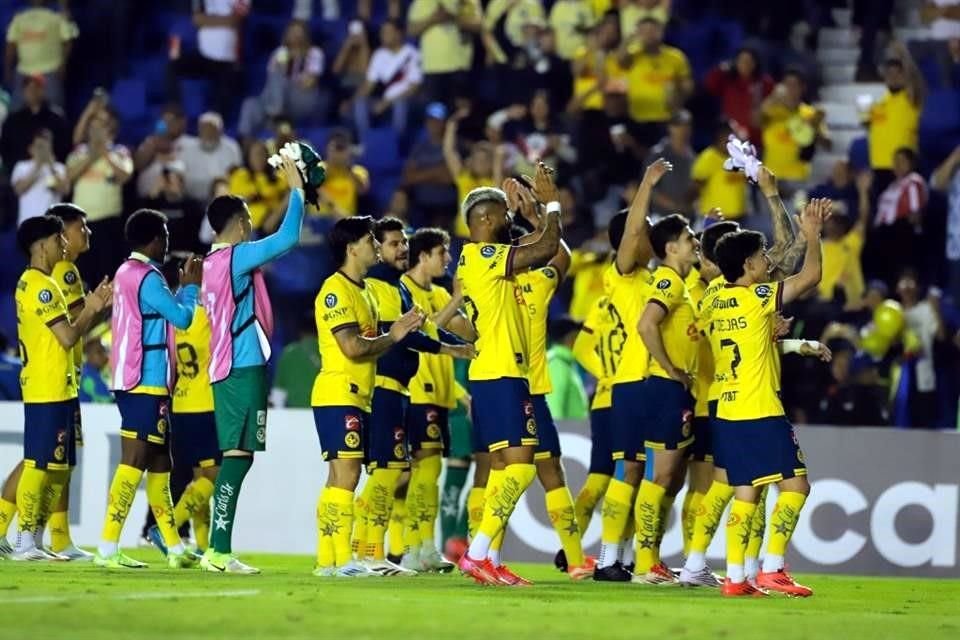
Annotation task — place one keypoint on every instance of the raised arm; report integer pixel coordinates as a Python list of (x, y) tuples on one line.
[(635, 249), (940, 180), (787, 246), (864, 185), (916, 87), (544, 248), (450, 154), (811, 224)]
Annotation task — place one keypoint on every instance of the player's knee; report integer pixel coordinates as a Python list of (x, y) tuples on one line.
[(798, 484), (344, 474), (550, 473), (135, 453)]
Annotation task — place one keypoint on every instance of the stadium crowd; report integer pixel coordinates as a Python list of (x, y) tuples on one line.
[(412, 105)]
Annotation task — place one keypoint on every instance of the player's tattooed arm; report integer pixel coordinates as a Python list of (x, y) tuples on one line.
[(359, 347), (788, 247), (539, 253)]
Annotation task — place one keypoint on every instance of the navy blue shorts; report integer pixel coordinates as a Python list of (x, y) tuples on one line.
[(668, 420), (601, 453), (342, 432), (712, 421), (627, 417), (194, 440), (758, 452), (547, 434), (78, 423), (702, 448), (428, 427), (387, 435), (49, 434), (503, 414), (144, 417)]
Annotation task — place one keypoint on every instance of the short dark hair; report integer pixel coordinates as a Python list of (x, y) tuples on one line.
[(67, 212), (42, 133), (37, 228), (426, 240), (796, 73), (909, 154), (395, 23), (385, 225), (711, 236), (222, 210), (345, 232), (733, 250), (144, 226), (616, 228), (175, 109), (667, 229)]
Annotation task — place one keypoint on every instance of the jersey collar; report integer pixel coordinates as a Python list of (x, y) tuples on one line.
[(136, 255)]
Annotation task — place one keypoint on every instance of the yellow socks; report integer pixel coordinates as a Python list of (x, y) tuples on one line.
[(123, 489), (617, 503), (7, 511), (783, 521), (646, 515), (59, 526), (161, 503), (738, 535), (474, 510), (504, 490), (688, 516), (757, 526), (201, 527), (335, 521), (428, 497), (325, 554), (590, 494), (560, 509), (196, 496), (395, 529), (358, 541), (56, 481), (708, 516), (30, 489), (383, 484)]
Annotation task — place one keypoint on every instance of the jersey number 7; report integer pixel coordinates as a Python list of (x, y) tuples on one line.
[(735, 362)]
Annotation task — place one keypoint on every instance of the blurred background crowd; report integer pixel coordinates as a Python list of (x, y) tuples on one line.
[(119, 105)]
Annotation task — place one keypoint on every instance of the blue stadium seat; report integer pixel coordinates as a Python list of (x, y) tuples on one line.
[(316, 136), (129, 96), (194, 97), (380, 150), (381, 190), (859, 154), (152, 70), (183, 27), (941, 112)]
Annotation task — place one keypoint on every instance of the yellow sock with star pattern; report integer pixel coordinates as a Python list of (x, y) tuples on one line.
[(738, 536), (563, 517), (383, 484), (783, 522), (617, 504), (590, 495), (195, 496), (647, 516)]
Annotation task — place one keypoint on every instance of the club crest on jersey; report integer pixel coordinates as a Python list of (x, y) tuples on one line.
[(663, 284), (70, 277), (351, 423), (399, 453), (433, 431), (46, 296), (531, 426), (488, 251), (330, 301), (800, 457), (352, 439), (59, 452), (161, 426), (763, 291)]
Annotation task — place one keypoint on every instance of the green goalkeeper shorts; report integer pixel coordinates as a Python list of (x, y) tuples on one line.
[(461, 442), (240, 408)]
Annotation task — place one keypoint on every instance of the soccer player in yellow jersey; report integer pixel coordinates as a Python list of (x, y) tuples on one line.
[(350, 343), (628, 293), (504, 422), (47, 380), (193, 430), (668, 329), (433, 392), (65, 274), (757, 444)]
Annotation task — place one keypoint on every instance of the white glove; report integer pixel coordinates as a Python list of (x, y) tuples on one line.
[(290, 150), (743, 157)]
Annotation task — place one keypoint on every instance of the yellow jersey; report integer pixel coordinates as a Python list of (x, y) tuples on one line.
[(444, 47), (724, 189), (743, 320), (704, 309), (467, 182), (434, 382), (842, 266), (495, 306), (628, 296), (704, 378), (893, 123), (67, 277), (342, 382), (193, 393), (48, 373), (608, 341), (587, 272), (538, 287), (585, 83), (650, 81), (678, 330), (340, 188), (781, 150), (570, 19)]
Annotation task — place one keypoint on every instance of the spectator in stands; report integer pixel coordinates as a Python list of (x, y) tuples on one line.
[(947, 178), (160, 149), (293, 87), (717, 188), (21, 125), (855, 398), (482, 168), (297, 367), (393, 78), (532, 134), (839, 188), (923, 317), (426, 176), (364, 9), (674, 192), (98, 105), (943, 19), (445, 29), (210, 155), (632, 12), (346, 180), (167, 193), (41, 181), (741, 87), (659, 80), (399, 207), (350, 67), (843, 240), (515, 16), (10, 367), (38, 44), (792, 132), (97, 170), (567, 399), (898, 224), (571, 21), (873, 17), (217, 58), (534, 67), (893, 122), (596, 66), (259, 185), (95, 374)]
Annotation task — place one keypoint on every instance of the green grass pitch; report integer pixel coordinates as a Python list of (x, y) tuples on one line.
[(67, 601)]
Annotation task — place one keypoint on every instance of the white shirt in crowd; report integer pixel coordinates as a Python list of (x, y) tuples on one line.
[(204, 166), (396, 70), (953, 217), (942, 28), (221, 43), (922, 319), (310, 65), (41, 195), (147, 176)]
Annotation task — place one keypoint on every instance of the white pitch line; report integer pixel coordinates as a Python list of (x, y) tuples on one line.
[(136, 596)]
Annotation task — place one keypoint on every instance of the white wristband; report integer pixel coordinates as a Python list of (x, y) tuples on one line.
[(553, 206), (792, 346)]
